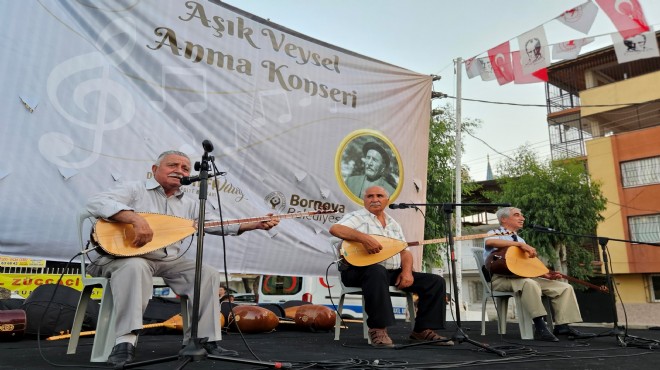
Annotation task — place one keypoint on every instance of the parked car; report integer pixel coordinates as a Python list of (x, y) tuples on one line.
[(245, 298)]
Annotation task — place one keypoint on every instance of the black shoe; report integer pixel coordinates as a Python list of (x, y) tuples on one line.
[(545, 335), (212, 348), (121, 354), (572, 333)]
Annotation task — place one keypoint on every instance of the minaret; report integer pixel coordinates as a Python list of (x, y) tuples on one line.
[(489, 171)]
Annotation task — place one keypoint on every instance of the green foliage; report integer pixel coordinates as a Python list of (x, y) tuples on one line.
[(557, 194), (440, 177)]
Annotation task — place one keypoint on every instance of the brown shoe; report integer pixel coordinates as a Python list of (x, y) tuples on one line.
[(380, 339), (429, 335)]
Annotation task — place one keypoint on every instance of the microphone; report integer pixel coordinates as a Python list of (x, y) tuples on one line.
[(187, 180), (208, 147), (541, 228), (398, 206)]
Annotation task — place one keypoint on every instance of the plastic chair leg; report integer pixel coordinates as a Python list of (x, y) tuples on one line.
[(502, 313), (104, 339), (483, 315), (78, 319), (340, 307)]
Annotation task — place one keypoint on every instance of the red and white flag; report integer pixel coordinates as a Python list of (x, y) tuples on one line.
[(534, 50), (519, 77), (580, 18), (500, 60), (569, 49), (627, 16), (641, 46)]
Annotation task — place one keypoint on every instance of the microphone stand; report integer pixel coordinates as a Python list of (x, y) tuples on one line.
[(448, 208), (194, 350), (619, 332)]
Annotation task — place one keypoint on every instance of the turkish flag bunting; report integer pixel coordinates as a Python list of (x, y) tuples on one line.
[(580, 18), (541, 74), (569, 49), (521, 78), (627, 16), (485, 69), (472, 67), (500, 59), (536, 51), (641, 46)]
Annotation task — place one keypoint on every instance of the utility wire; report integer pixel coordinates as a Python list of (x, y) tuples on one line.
[(554, 106)]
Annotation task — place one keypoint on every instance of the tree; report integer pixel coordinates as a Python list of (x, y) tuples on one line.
[(558, 194), (440, 177)]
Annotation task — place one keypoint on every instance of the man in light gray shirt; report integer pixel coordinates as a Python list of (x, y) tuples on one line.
[(131, 278)]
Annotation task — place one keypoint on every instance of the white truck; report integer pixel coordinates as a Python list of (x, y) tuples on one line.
[(317, 290)]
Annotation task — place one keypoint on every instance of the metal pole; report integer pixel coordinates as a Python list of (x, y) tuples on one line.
[(458, 178)]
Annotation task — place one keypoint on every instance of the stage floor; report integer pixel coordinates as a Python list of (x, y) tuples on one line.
[(304, 349)]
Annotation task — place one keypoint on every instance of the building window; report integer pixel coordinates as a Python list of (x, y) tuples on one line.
[(655, 287), (640, 172), (645, 228), (477, 291)]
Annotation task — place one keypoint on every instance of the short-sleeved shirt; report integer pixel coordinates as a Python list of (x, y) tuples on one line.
[(366, 222), (501, 230)]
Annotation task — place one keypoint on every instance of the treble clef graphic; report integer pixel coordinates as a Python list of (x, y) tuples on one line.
[(101, 89)]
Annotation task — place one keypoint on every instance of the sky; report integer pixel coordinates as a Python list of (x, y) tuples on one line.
[(427, 36)]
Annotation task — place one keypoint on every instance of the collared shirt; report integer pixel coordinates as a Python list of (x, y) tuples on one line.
[(501, 230), (149, 197), (366, 222)]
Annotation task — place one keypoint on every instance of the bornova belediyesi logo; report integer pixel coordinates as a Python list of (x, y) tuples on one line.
[(276, 201)]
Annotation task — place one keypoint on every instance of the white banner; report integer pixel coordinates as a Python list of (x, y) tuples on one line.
[(93, 91)]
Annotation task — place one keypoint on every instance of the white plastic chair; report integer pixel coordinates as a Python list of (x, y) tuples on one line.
[(104, 339), (502, 305), (365, 329)]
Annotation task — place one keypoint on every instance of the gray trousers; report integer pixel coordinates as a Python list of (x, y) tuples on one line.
[(562, 296), (131, 281)]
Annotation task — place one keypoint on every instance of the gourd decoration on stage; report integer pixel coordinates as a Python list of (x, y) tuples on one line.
[(252, 319), (12, 324), (312, 316)]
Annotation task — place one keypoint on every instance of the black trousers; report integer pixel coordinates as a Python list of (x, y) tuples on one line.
[(375, 281)]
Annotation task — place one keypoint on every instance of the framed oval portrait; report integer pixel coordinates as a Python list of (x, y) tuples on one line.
[(367, 158)]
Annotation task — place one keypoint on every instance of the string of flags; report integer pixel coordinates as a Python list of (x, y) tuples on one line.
[(634, 40)]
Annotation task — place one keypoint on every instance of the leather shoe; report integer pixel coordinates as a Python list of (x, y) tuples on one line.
[(212, 348), (572, 333), (545, 335), (121, 354)]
